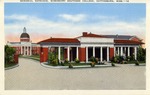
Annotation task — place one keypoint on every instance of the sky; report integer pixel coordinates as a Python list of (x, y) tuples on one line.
[(45, 20)]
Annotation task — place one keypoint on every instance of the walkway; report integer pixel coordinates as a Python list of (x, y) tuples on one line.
[(30, 75)]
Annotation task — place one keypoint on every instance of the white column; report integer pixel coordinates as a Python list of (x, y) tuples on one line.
[(24, 50), (114, 51), (59, 53), (107, 53), (21, 49), (93, 51), (101, 54), (128, 51), (77, 52), (27, 50), (30, 50), (118, 51), (86, 54), (135, 52), (121, 51), (68, 53)]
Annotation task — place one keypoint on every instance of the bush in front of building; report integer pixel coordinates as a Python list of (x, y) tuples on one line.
[(141, 55), (92, 64), (66, 61), (54, 62), (77, 60), (113, 64), (93, 59), (70, 65), (117, 59), (137, 63), (9, 54)]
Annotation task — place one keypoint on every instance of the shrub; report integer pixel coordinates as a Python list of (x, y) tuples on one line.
[(62, 64), (66, 61), (92, 64), (137, 63), (70, 65), (112, 64), (93, 59), (128, 58), (77, 60), (55, 62)]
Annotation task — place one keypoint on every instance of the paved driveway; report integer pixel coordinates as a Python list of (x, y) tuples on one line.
[(30, 75)]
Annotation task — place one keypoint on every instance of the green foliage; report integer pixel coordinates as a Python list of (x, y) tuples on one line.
[(77, 60), (66, 61), (52, 59), (92, 64), (113, 64), (141, 56), (70, 65), (117, 59), (137, 63), (93, 59), (9, 54)]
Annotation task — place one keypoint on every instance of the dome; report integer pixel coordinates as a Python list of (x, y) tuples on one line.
[(24, 35)]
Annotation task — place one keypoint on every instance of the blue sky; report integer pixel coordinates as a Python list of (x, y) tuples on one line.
[(58, 19)]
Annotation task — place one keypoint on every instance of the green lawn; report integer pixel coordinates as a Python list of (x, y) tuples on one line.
[(34, 57), (9, 65)]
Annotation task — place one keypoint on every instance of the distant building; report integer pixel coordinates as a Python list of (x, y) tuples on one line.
[(25, 46)]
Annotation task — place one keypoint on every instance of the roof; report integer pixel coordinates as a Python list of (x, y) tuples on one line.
[(93, 35), (119, 37), (24, 35), (127, 42), (14, 42), (60, 41)]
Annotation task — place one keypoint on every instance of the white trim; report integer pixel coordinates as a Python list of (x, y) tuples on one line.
[(101, 54), (86, 54), (107, 53), (68, 53), (93, 51)]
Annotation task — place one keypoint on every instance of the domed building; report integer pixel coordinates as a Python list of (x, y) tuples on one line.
[(24, 37), (102, 47), (25, 46)]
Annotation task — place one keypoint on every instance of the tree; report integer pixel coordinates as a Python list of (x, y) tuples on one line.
[(141, 56), (9, 53)]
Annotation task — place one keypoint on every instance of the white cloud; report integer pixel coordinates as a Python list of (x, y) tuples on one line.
[(38, 27), (74, 18)]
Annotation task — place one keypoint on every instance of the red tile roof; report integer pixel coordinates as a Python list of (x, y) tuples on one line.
[(93, 35), (127, 42), (61, 40)]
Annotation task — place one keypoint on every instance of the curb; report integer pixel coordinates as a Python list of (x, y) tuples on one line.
[(12, 67), (66, 67)]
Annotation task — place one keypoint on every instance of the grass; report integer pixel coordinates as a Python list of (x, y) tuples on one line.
[(133, 62), (9, 65), (34, 57)]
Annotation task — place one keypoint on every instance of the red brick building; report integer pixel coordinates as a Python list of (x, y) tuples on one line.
[(103, 47)]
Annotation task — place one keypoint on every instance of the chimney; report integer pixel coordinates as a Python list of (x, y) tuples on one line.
[(84, 33)]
